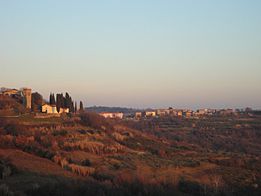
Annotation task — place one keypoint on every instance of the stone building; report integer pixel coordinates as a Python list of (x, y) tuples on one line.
[(51, 109)]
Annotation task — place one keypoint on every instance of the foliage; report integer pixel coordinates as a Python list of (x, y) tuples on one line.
[(96, 121), (52, 99), (86, 162), (37, 101), (81, 106)]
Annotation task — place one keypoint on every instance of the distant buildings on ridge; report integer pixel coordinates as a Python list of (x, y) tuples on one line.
[(118, 115), (25, 94), (179, 113)]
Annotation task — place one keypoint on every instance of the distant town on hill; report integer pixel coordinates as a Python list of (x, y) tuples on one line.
[(99, 109), (53, 147)]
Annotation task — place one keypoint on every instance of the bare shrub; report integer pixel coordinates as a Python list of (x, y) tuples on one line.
[(96, 121), (81, 170), (118, 137)]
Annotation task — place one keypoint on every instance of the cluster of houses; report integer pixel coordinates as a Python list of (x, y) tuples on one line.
[(118, 115), (172, 112), (49, 109), (185, 113), (182, 113)]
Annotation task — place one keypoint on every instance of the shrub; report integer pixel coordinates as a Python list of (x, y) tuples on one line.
[(86, 162), (100, 176), (11, 129), (96, 121), (4, 190), (189, 187), (6, 168), (60, 133)]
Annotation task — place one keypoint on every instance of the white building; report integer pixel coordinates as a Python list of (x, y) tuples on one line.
[(150, 113), (112, 115), (51, 109), (163, 112)]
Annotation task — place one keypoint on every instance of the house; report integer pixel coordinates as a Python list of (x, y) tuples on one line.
[(51, 109), (180, 113), (64, 110), (138, 114), (163, 112), (189, 114), (10, 92), (150, 113), (112, 115)]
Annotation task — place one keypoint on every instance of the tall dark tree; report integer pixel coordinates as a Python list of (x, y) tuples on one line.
[(67, 100), (37, 101), (81, 106), (59, 101), (75, 107), (63, 101), (52, 99), (72, 106)]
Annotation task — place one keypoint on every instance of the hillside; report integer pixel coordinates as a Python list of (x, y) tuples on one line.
[(11, 106), (99, 109), (87, 154)]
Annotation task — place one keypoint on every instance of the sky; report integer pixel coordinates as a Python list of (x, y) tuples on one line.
[(135, 53)]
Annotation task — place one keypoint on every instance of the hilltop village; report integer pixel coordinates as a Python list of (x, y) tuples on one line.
[(34, 102), (63, 104), (52, 147), (171, 112)]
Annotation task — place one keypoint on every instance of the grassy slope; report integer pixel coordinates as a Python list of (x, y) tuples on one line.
[(140, 159)]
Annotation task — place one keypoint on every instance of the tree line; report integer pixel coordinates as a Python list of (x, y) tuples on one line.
[(61, 101)]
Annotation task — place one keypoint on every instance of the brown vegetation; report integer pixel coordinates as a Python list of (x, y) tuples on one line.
[(163, 156)]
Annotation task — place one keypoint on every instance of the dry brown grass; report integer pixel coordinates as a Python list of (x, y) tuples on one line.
[(24, 161)]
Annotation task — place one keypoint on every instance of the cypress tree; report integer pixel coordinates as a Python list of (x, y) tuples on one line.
[(58, 102), (67, 103), (52, 99), (62, 101), (81, 106), (75, 107)]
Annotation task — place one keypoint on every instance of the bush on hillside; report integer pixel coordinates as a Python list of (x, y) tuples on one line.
[(96, 121), (8, 103)]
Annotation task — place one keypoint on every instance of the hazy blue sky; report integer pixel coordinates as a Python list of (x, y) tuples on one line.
[(138, 53)]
